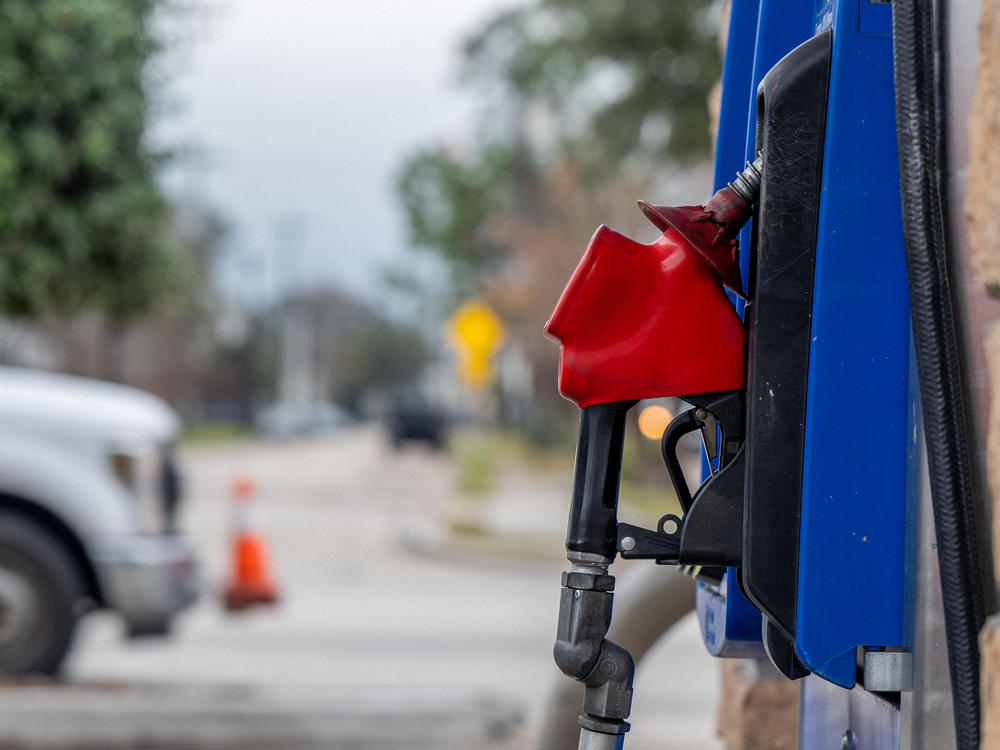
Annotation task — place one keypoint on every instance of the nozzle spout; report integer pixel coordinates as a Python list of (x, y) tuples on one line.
[(747, 183)]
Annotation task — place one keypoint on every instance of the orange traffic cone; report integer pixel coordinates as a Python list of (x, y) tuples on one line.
[(251, 582)]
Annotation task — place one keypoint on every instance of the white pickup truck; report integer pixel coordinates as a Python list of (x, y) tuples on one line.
[(88, 498)]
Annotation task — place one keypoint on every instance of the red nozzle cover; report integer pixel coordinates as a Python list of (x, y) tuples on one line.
[(644, 321)]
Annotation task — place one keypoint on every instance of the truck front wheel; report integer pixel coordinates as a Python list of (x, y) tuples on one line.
[(39, 587)]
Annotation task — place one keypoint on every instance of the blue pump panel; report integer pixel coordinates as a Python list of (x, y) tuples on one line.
[(851, 538), (857, 429)]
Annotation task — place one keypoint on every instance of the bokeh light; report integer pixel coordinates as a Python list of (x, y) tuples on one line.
[(653, 420)]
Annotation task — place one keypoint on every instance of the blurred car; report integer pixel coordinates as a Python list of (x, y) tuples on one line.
[(284, 419), (414, 417), (88, 497)]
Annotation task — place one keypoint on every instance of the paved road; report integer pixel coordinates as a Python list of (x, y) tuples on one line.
[(385, 630)]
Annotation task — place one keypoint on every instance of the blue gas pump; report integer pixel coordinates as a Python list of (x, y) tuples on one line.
[(801, 534)]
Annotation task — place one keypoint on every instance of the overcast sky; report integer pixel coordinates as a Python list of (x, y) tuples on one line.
[(301, 112)]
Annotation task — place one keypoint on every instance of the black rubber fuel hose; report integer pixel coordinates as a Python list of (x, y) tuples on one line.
[(919, 56)]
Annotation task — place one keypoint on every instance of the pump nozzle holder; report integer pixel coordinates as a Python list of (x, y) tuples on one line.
[(711, 229)]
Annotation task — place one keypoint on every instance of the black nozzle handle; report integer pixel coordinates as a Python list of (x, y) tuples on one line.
[(593, 514)]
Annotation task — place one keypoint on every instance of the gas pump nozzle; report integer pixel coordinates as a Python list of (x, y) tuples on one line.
[(581, 650), (643, 321)]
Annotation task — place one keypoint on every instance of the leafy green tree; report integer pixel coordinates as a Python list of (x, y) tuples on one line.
[(82, 222), (447, 203), (617, 88), (623, 78)]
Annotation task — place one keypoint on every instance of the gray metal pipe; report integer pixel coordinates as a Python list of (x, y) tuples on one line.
[(600, 741)]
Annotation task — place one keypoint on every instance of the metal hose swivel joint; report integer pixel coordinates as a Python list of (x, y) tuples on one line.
[(584, 653)]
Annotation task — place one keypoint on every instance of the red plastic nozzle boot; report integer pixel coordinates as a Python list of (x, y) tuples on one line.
[(644, 321), (710, 229)]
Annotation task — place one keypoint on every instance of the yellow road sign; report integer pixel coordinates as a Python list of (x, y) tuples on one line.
[(475, 333)]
